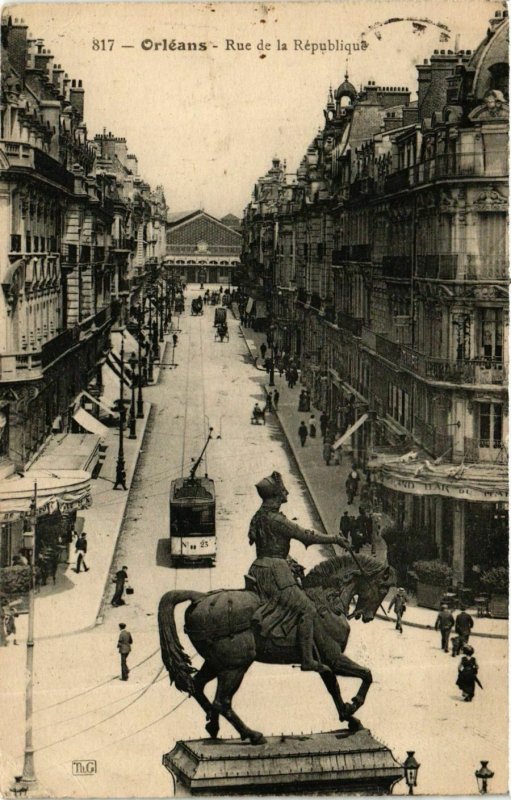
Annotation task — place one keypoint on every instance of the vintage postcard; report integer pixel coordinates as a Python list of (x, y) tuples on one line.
[(253, 398)]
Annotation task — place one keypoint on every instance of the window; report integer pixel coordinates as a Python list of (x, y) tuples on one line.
[(490, 343), (490, 425)]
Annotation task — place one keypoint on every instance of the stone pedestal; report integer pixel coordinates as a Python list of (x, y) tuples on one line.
[(338, 762)]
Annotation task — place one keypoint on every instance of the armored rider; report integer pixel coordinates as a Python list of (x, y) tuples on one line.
[(285, 604)]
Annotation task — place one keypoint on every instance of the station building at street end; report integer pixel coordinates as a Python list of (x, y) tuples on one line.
[(81, 231), (202, 248), (384, 264)]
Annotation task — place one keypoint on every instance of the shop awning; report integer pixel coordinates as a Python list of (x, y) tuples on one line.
[(69, 451), (250, 303), (413, 473), (261, 311), (99, 403), (64, 490), (346, 435), (90, 423)]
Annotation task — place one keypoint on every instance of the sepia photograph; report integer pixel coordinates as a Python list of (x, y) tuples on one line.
[(254, 321)]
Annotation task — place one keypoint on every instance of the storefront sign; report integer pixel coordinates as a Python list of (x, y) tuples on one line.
[(442, 488)]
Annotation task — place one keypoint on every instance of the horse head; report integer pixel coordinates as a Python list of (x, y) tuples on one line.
[(373, 583), (367, 578)]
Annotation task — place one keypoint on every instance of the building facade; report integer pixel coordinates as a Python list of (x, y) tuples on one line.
[(80, 231), (201, 248), (387, 265)]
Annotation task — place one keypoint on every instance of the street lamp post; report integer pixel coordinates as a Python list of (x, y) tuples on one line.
[(133, 418), (484, 776), (28, 760), (120, 470), (272, 362), (160, 306), (411, 768), (140, 401)]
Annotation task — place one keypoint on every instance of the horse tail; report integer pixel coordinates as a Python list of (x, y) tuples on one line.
[(174, 657)]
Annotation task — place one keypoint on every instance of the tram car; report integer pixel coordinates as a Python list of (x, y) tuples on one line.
[(193, 519)]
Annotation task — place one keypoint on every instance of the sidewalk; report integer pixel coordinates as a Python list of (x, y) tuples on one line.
[(73, 604), (326, 485)]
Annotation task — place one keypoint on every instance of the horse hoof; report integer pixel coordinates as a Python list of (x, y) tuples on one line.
[(354, 725), (212, 728), (257, 738)]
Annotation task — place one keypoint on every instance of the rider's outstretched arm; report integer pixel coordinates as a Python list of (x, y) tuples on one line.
[(307, 536)]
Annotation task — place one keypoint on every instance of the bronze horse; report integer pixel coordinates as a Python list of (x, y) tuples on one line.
[(219, 626)]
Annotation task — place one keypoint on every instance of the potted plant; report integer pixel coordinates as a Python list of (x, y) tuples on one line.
[(433, 578), (496, 584)]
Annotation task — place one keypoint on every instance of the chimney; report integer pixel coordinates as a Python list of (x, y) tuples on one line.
[(17, 47), (434, 81), (76, 97)]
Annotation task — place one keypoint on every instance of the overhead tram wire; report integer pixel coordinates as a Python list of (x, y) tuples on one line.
[(97, 686), (106, 719)]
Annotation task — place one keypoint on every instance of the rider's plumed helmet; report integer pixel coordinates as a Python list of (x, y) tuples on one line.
[(272, 486)]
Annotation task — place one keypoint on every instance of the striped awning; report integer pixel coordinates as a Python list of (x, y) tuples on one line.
[(64, 490)]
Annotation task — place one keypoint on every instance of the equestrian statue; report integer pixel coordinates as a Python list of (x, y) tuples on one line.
[(283, 616)]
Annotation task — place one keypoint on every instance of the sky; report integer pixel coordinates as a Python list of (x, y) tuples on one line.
[(206, 123)]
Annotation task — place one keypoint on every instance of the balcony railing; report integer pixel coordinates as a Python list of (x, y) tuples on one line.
[(20, 367), (351, 252), (435, 440), (482, 449), (349, 323), (438, 265), (397, 267), (20, 154), (57, 346)]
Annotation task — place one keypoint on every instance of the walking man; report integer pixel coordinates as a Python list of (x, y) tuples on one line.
[(312, 426), (463, 627), (276, 396), (302, 432), (398, 602), (263, 350), (345, 525), (81, 549), (444, 623), (121, 576), (124, 648), (269, 402), (323, 424)]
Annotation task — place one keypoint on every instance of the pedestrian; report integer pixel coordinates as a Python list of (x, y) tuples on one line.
[(276, 397), (365, 524), (301, 400), (124, 647), (463, 626), (174, 339), (41, 570), (323, 424), (327, 453), (351, 486), (398, 602), (267, 364), (121, 576), (345, 525), (294, 378), (53, 564), (10, 623), (312, 426), (302, 433), (81, 549), (444, 623), (269, 402), (263, 350), (467, 674), (307, 400)]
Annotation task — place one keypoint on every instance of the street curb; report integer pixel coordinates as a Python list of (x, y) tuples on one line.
[(432, 628), (311, 493), (99, 615)]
